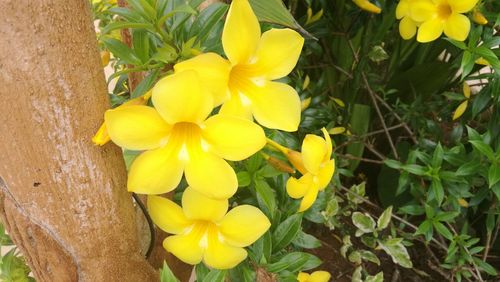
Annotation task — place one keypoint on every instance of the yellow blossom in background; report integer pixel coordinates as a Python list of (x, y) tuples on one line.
[(178, 139), (478, 17), (482, 61), (438, 16), (316, 276), (204, 230), (367, 6), (313, 18), (463, 106), (244, 83), (317, 170), (407, 26), (102, 137)]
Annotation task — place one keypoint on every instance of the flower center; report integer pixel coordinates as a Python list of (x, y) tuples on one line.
[(444, 11), (242, 82), (206, 231), (186, 138)]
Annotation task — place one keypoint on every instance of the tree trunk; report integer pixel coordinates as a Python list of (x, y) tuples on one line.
[(64, 201)]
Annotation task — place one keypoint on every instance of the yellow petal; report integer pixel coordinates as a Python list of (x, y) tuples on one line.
[(213, 71), (309, 198), (304, 104), (155, 172), (407, 28), (295, 158), (482, 61), (423, 10), (463, 203), (313, 152), (200, 207), (367, 6), (402, 9), (136, 127), (277, 53), (243, 225), (303, 277), (457, 27), (233, 138), (328, 142), (220, 255), (430, 30), (235, 107), (211, 176), (462, 6), (320, 276), (479, 18), (241, 32), (167, 215), (101, 137), (466, 90), (180, 97), (276, 105), (460, 110), (186, 247), (297, 188), (325, 174)]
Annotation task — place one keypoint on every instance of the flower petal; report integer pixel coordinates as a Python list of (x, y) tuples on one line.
[(402, 9), (136, 127), (303, 277), (220, 255), (233, 138), (325, 174), (155, 172), (297, 188), (462, 6), (460, 109), (241, 32), (211, 176), (466, 90), (423, 10), (213, 71), (276, 105), (407, 28), (200, 207), (319, 276), (457, 27), (329, 146), (314, 149), (235, 107), (277, 53), (309, 198), (167, 215), (180, 98), (186, 247), (243, 225), (430, 30)]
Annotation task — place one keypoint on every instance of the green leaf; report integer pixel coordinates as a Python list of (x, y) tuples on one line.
[(286, 232), (244, 178), (469, 168), (393, 163), (166, 54), (145, 85), (397, 251), (484, 148), (437, 157), (437, 190), (294, 262), (201, 271), (485, 266), (494, 174), (384, 219), (129, 15), (206, 22), (360, 121), (166, 275), (215, 275), (364, 222), (442, 230), (369, 256), (379, 277), (122, 25), (265, 197), (415, 169), (306, 241), (467, 63), (140, 40), (458, 44), (129, 156), (121, 51)]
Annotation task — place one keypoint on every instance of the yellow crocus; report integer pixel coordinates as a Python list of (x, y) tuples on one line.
[(244, 83), (316, 276), (367, 6), (407, 26), (317, 170), (178, 139), (204, 230), (438, 16)]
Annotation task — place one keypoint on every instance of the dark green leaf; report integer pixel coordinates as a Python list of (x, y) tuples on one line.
[(286, 232), (122, 51)]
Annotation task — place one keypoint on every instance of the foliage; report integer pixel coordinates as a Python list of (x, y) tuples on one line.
[(13, 267)]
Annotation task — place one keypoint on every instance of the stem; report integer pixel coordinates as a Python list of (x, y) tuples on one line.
[(278, 146), (150, 224)]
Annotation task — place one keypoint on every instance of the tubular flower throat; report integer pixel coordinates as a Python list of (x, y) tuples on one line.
[(317, 170), (316, 276), (244, 83), (205, 231), (438, 16), (178, 139)]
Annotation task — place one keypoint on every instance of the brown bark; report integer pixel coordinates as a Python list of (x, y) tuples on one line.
[(64, 201)]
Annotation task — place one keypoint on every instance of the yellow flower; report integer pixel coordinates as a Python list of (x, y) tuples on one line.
[(479, 18), (367, 6), (205, 231), (245, 83), (319, 169), (316, 276), (463, 106), (407, 26), (438, 16), (178, 138), (102, 137)]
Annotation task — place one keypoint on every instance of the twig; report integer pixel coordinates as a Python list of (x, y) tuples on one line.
[(373, 150), (478, 273), (398, 117), (351, 157)]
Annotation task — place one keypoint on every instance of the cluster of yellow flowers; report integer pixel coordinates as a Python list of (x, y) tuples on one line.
[(179, 136), (430, 18)]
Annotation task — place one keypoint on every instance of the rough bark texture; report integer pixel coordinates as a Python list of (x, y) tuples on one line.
[(64, 201)]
